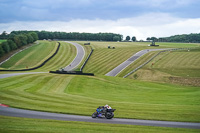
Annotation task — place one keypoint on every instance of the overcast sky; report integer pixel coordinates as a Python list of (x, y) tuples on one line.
[(140, 18)]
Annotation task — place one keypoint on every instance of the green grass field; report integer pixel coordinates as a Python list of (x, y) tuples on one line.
[(37, 54), (2, 41), (139, 99), (177, 66), (104, 60), (13, 124), (82, 95), (32, 56)]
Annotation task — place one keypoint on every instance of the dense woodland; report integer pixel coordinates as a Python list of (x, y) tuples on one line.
[(74, 35), (189, 38)]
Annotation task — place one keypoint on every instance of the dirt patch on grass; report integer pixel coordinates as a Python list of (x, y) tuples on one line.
[(150, 75), (185, 81)]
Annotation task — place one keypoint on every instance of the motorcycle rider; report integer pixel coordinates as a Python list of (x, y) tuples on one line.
[(107, 108), (100, 110)]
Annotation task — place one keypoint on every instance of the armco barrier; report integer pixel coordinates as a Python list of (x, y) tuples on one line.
[(86, 60), (72, 72), (40, 64), (153, 58)]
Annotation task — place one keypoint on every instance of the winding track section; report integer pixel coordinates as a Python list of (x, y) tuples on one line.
[(79, 57), (133, 58), (7, 111)]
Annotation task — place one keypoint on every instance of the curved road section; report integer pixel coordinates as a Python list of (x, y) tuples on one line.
[(126, 63), (6, 111), (78, 59)]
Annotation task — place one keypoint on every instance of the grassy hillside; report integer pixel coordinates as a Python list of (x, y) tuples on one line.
[(64, 57), (37, 54), (82, 95), (32, 56), (12, 124), (104, 60), (176, 66)]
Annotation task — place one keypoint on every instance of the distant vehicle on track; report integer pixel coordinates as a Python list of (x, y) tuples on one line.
[(104, 111)]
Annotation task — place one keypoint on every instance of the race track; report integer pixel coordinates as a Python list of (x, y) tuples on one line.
[(78, 59), (126, 63), (7, 111)]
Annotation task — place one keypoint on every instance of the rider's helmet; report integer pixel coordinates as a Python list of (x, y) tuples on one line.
[(106, 106)]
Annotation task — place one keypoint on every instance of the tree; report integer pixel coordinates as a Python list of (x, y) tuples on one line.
[(153, 39), (148, 39), (128, 38), (116, 38), (17, 41), (133, 39), (4, 35), (12, 45), (34, 35), (23, 39), (29, 38), (1, 51), (5, 47)]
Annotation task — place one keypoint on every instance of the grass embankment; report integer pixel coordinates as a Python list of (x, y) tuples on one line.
[(104, 60), (64, 57), (12, 124), (175, 66), (82, 95), (2, 41), (37, 54), (32, 56)]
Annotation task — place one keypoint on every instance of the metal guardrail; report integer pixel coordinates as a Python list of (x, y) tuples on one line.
[(153, 58)]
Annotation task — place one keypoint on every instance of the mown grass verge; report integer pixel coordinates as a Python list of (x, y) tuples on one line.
[(82, 95), (37, 54), (31, 57), (13, 124), (175, 66), (64, 57)]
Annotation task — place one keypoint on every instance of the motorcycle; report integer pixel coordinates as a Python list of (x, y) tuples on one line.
[(103, 112)]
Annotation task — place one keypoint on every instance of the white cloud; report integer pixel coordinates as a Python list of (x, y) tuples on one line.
[(153, 24)]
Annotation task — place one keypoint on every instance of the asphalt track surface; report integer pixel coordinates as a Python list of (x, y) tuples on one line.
[(7, 111), (78, 59), (129, 61)]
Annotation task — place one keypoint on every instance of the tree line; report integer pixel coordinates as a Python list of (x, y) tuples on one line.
[(74, 35), (15, 41), (188, 38)]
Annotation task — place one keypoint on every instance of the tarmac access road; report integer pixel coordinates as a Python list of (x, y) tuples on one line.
[(13, 112), (78, 59), (129, 61)]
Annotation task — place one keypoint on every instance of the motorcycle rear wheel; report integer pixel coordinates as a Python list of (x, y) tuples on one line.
[(94, 115)]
